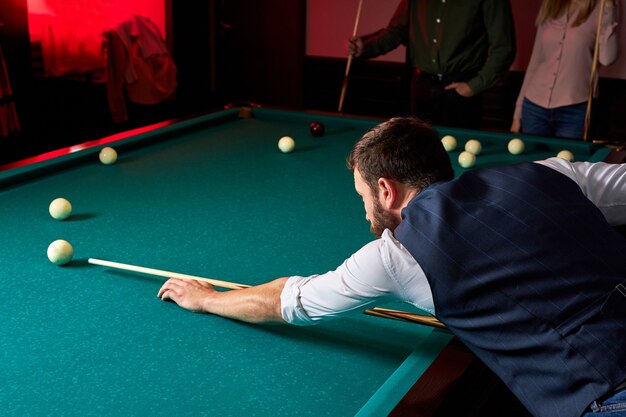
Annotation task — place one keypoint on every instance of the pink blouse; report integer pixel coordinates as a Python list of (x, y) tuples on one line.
[(559, 70)]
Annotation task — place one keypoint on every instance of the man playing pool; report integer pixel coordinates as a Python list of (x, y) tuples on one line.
[(520, 262)]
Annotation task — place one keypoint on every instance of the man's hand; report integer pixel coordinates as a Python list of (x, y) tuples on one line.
[(189, 294), (355, 47), (256, 304), (462, 89)]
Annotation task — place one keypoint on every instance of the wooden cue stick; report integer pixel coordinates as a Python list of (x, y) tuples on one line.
[(594, 70), (376, 311), (406, 316), (166, 274), (344, 85)]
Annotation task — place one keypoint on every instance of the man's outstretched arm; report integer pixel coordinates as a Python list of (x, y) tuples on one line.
[(258, 304)]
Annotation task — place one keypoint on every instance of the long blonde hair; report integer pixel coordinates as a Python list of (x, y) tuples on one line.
[(553, 9)]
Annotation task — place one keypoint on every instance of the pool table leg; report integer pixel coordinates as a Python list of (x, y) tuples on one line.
[(459, 384)]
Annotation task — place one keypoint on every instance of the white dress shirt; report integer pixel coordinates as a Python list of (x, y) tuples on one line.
[(383, 270)]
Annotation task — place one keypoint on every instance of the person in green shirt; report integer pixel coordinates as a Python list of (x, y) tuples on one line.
[(457, 48)]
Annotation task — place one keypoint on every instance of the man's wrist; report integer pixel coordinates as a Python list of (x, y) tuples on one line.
[(209, 302), (475, 85)]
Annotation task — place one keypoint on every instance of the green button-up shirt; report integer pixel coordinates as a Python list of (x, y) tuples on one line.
[(452, 37)]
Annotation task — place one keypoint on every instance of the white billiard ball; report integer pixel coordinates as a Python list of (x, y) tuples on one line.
[(286, 144), (449, 142), (60, 209), (565, 154), (467, 159), (516, 146), (60, 252), (473, 146), (108, 155)]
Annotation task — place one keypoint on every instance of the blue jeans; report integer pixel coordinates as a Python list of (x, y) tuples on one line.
[(562, 122), (612, 406)]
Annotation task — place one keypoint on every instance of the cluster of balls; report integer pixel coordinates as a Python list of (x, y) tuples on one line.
[(467, 158), (60, 252), (287, 144)]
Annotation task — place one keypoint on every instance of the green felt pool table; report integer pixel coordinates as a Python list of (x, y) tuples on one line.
[(209, 196)]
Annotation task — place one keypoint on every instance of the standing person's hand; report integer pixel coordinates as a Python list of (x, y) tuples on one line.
[(462, 89), (355, 47)]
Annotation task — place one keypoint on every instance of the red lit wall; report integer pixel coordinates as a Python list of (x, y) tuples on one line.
[(69, 30), (330, 24)]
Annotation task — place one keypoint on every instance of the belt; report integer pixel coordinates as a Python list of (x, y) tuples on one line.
[(445, 78)]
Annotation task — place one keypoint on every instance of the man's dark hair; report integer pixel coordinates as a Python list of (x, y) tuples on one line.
[(404, 149)]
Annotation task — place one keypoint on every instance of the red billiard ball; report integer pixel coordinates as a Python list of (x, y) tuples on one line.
[(317, 128)]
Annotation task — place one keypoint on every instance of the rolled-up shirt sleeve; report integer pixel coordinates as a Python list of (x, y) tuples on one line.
[(381, 271)]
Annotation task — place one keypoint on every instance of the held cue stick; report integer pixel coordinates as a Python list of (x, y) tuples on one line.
[(376, 311), (594, 70), (406, 316), (166, 274), (344, 85)]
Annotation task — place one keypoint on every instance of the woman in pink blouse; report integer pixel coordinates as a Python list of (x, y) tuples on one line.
[(552, 101)]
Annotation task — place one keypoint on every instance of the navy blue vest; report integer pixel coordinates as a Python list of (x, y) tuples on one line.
[(527, 273)]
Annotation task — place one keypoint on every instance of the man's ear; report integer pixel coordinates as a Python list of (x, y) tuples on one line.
[(387, 193)]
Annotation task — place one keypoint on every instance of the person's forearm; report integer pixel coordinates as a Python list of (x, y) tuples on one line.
[(498, 20), (258, 304), (609, 39), (389, 38), (529, 74)]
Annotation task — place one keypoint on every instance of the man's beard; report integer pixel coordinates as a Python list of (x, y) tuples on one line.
[(382, 220)]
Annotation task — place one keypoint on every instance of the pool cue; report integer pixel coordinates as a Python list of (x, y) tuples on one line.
[(376, 311), (166, 274), (594, 70), (405, 316), (344, 85)]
